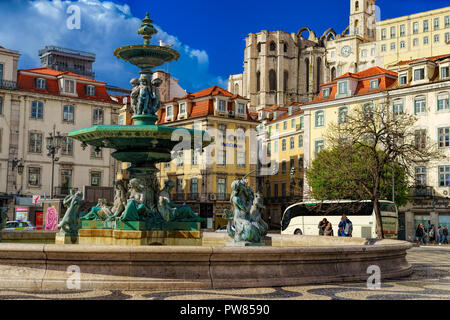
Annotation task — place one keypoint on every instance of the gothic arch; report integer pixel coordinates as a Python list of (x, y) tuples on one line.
[(258, 81), (311, 35), (236, 88), (272, 80), (307, 74), (319, 72), (328, 34)]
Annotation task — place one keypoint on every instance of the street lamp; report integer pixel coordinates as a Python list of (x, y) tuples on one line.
[(53, 142), (19, 165)]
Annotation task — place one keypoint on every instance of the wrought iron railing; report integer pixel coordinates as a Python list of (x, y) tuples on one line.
[(193, 196), (422, 192)]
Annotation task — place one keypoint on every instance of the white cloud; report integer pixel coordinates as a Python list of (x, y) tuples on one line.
[(28, 26)]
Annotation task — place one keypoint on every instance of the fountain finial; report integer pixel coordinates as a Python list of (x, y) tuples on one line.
[(147, 29)]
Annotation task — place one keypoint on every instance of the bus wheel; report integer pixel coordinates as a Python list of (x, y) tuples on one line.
[(298, 231)]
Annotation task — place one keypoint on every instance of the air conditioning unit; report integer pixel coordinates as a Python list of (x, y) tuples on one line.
[(212, 197)]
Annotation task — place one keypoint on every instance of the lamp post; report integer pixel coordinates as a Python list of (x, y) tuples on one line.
[(15, 163), (53, 142)]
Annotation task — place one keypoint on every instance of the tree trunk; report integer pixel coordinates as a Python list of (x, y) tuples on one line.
[(376, 209)]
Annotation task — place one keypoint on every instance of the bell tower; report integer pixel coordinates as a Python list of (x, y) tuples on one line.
[(363, 19)]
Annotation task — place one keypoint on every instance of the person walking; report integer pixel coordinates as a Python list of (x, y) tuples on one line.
[(322, 225), (328, 230), (419, 234), (439, 235), (431, 235), (445, 235)]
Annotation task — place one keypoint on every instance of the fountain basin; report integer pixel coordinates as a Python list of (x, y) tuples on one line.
[(139, 143), (146, 57), (290, 260)]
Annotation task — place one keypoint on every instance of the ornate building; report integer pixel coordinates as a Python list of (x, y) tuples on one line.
[(280, 67)]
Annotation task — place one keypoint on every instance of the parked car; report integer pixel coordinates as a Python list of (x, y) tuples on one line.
[(19, 225)]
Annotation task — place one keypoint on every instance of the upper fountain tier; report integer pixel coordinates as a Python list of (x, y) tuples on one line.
[(146, 56)]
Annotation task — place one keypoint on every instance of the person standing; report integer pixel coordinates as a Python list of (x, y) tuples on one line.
[(419, 234), (445, 235), (347, 226), (322, 225), (328, 230), (431, 235), (439, 235)]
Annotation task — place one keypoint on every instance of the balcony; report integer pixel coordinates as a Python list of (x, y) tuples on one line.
[(193, 196), (8, 85), (422, 192), (222, 197), (179, 197)]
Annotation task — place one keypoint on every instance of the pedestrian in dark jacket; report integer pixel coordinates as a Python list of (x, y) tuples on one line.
[(322, 225), (445, 235), (419, 234)]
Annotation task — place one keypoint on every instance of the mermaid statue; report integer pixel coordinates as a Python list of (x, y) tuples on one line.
[(245, 224)]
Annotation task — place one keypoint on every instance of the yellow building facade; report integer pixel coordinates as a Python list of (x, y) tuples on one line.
[(420, 35)]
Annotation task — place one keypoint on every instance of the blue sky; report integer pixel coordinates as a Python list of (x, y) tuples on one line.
[(208, 34)]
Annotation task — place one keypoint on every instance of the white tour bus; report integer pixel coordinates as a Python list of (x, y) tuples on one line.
[(304, 217)]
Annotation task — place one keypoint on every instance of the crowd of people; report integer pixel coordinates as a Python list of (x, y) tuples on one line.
[(433, 235), (345, 227)]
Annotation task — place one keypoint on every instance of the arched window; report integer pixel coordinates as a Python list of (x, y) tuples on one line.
[(307, 74), (333, 73), (236, 88), (356, 26), (285, 80), (319, 71), (258, 81), (259, 47), (273, 46), (285, 47), (272, 80), (356, 5)]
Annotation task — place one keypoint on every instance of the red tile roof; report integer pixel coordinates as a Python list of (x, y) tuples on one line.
[(401, 63), (27, 82), (204, 107), (387, 80), (374, 71)]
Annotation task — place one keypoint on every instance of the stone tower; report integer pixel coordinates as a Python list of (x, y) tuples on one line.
[(362, 19), (280, 68)]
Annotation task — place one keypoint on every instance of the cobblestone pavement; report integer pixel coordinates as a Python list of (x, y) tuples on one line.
[(430, 281)]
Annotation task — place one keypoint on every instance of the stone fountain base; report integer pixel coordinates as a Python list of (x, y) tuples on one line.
[(290, 260)]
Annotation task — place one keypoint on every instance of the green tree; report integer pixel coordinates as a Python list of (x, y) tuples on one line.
[(344, 173), (365, 131)]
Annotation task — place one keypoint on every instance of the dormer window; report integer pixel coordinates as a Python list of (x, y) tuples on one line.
[(222, 105), (90, 90), (445, 72), (241, 108), (326, 92), (403, 79), (419, 74), (69, 86), (169, 111), (182, 108), (374, 84), (41, 83), (343, 87)]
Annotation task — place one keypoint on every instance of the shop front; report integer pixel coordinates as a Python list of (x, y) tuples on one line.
[(427, 212)]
